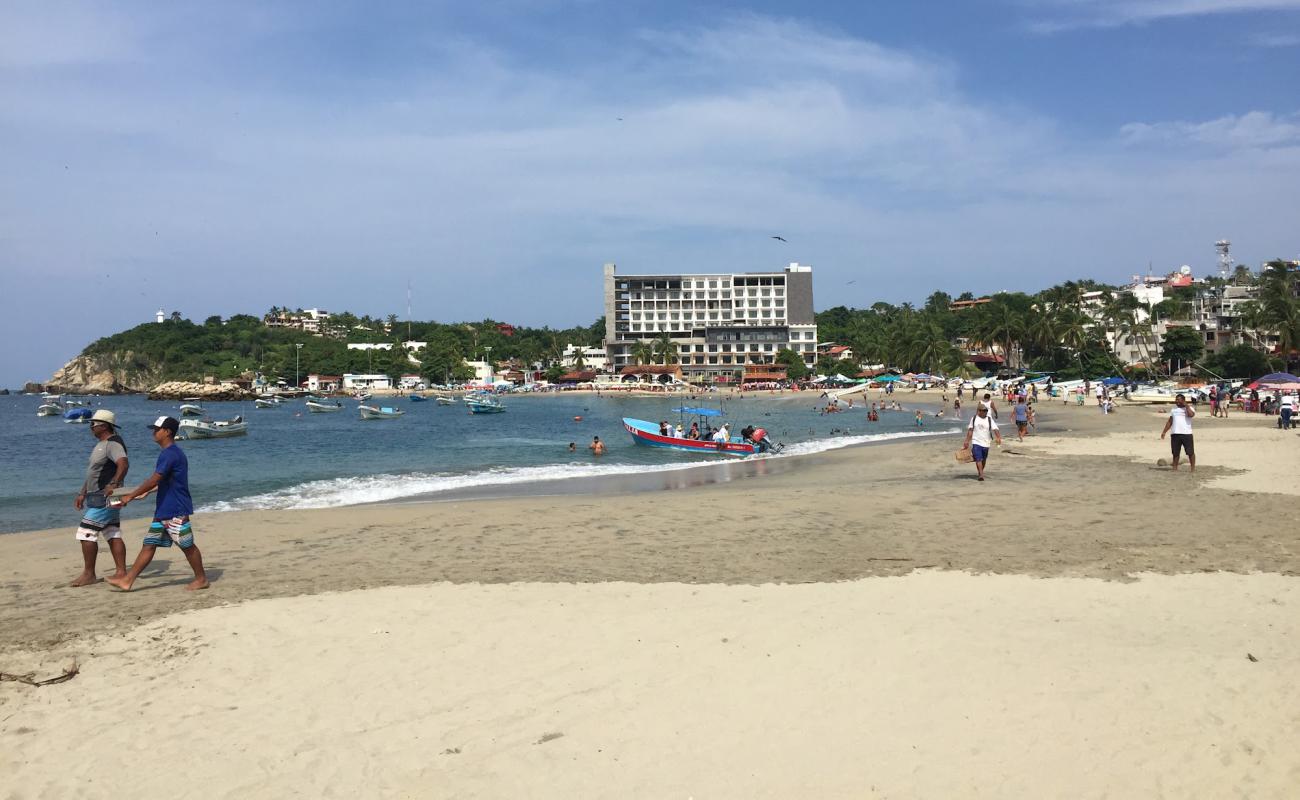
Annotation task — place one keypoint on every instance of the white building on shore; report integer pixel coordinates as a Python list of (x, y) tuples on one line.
[(718, 321), (366, 381)]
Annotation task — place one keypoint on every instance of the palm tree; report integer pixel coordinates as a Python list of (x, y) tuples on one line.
[(1000, 324), (666, 349), (643, 352)]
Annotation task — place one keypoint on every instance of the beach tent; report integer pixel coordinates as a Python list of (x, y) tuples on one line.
[(886, 378), (1113, 381)]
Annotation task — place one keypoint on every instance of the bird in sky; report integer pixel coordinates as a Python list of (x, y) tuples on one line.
[(779, 239), (850, 283)]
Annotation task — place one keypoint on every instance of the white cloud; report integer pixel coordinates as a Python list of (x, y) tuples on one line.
[(1255, 129), (1059, 15)]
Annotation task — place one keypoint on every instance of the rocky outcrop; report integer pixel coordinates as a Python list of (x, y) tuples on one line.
[(116, 373), (179, 390)]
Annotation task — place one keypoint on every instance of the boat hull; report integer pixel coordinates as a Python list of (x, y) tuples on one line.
[(370, 412), (647, 434), (323, 408), (193, 429), (190, 410), (476, 407)]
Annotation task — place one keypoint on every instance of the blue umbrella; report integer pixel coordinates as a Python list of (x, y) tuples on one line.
[(1279, 377)]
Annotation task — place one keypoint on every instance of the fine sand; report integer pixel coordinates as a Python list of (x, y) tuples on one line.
[(871, 623)]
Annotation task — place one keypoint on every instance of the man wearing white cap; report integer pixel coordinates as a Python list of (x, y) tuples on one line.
[(99, 520)]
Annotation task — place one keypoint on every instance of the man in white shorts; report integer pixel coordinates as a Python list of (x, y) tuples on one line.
[(99, 520)]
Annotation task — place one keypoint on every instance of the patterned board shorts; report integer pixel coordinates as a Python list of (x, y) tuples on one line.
[(163, 532), (99, 523)]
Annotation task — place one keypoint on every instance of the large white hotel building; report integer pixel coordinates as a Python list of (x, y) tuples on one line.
[(720, 321)]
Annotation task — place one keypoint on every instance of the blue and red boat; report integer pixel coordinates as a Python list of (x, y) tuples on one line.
[(648, 434)]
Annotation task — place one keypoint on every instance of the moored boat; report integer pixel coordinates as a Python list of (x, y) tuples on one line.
[(49, 409), (483, 403), (418, 398), (77, 415), (323, 406), (213, 429), (192, 407), (443, 400), (266, 402), (379, 412)]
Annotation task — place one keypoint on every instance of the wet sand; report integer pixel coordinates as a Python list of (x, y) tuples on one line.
[(519, 614)]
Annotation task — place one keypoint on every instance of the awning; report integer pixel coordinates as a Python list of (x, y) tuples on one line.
[(702, 412)]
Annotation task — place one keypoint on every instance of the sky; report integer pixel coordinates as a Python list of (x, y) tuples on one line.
[(221, 158)]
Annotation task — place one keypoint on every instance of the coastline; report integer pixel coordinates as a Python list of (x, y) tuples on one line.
[(784, 623)]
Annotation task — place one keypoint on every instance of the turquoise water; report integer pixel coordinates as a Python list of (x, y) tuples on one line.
[(295, 459)]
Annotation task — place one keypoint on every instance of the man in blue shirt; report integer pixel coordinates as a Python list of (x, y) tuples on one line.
[(172, 510)]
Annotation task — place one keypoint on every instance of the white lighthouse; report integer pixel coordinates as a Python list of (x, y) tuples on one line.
[(160, 316)]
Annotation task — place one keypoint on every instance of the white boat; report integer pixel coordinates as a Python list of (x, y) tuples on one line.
[(323, 406), (49, 409), (483, 403), (192, 407), (380, 412), (266, 402), (1161, 394), (75, 402), (443, 400), (364, 396), (213, 429)]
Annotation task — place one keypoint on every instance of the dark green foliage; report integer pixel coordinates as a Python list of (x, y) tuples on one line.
[(1181, 347), (1239, 361)]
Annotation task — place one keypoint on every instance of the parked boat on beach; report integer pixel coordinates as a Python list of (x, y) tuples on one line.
[(380, 412), (323, 406), (213, 429)]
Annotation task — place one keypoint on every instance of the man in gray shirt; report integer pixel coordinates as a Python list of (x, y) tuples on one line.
[(99, 519)]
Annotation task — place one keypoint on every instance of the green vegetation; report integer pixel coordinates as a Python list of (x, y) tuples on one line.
[(178, 349)]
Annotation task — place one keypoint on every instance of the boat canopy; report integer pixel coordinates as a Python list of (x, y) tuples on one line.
[(703, 412)]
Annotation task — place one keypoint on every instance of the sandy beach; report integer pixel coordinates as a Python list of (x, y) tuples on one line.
[(871, 622)]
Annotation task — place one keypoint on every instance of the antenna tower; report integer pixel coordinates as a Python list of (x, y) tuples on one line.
[(1225, 258)]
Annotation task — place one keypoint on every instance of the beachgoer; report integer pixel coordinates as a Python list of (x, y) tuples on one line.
[(1033, 417), (1021, 415), (573, 447), (104, 474), (694, 432), (989, 403), (172, 508), (919, 420), (1286, 411), (980, 432), (663, 428), (678, 432), (597, 447), (1179, 428)]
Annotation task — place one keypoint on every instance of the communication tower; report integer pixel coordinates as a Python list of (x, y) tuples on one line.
[(1225, 258)]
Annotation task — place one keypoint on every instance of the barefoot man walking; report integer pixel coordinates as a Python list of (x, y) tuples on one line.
[(171, 516), (107, 470)]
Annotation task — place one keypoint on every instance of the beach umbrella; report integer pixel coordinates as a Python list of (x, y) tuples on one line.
[(886, 378), (1279, 377)]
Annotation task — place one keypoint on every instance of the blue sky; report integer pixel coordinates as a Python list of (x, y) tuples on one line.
[(223, 157)]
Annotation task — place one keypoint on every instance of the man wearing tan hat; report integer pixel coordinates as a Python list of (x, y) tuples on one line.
[(99, 520)]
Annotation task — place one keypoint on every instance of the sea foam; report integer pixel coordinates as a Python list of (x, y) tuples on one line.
[(355, 490)]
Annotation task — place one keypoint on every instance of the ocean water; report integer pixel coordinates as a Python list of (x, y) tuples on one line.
[(295, 459)]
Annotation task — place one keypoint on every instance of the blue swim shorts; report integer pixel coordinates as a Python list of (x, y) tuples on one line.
[(99, 523), (163, 532), (978, 453)]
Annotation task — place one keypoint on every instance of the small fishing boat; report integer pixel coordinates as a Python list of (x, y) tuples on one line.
[(266, 402), (213, 429), (78, 415), (380, 412), (418, 398), (650, 434), (364, 396), (323, 406), (483, 403), (192, 407), (444, 400), (49, 409), (313, 398), (75, 402)]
